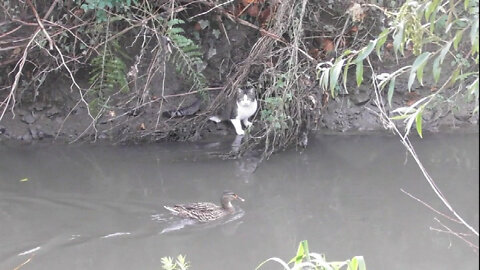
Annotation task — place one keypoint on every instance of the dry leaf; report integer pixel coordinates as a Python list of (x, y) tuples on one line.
[(411, 97), (314, 52), (253, 10), (197, 27), (328, 45), (265, 16)]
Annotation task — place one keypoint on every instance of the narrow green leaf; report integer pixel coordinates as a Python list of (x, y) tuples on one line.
[(466, 4), (359, 73), (325, 79), (457, 39), (444, 51), (433, 20), (398, 38), (473, 88), (455, 74), (411, 79), (382, 38), (421, 59), (430, 8), (334, 74), (409, 124), (345, 73), (400, 117), (420, 69), (474, 31), (346, 53), (366, 51), (391, 89), (361, 263), (300, 254), (475, 49), (436, 69), (418, 120), (24, 180), (278, 260), (353, 265)]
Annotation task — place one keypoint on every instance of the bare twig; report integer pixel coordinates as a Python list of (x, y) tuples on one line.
[(431, 208), (11, 96), (215, 7), (459, 235), (40, 24)]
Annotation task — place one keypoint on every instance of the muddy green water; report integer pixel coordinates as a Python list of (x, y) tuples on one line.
[(100, 207)]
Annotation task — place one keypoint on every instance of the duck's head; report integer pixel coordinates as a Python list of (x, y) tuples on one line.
[(228, 197)]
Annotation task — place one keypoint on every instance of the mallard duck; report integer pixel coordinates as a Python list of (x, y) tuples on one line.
[(206, 211)]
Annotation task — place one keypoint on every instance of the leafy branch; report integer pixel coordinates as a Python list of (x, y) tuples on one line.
[(417, 25)]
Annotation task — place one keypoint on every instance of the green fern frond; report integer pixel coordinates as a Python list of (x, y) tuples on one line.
[(107, 76), (187, 56)]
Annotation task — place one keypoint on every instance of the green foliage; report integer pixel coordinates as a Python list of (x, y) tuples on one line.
[(304, 259), (187, 56), (275, 108), (101, 5), (443, 27), (274, 113), (179, 264), (107, 76)]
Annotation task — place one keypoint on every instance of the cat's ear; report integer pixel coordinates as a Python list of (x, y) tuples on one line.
[(251, 91), (239, 91)]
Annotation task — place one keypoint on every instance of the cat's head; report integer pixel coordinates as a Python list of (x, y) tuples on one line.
[(246, 97)]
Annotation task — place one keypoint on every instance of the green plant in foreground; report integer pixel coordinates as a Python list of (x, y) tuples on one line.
[(309, 260), (179, 264)]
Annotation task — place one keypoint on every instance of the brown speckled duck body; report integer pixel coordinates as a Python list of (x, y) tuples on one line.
[(206, 211)]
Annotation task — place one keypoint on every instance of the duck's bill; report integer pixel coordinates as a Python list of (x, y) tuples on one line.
[(239, 198)]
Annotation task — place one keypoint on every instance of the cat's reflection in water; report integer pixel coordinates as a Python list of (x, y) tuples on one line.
[(236, 143)]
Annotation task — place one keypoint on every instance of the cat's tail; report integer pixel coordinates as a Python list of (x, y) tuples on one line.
[(185, 111)]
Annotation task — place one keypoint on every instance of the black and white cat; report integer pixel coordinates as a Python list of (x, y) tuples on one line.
[(239, 110)]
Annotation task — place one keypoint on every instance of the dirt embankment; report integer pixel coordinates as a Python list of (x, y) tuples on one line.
[(58, 113), (58, 118)]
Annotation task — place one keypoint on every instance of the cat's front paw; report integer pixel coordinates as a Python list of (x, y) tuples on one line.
[(240, 132), (247, 124)]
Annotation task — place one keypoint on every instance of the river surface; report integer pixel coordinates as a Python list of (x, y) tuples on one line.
[(101, 207)]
